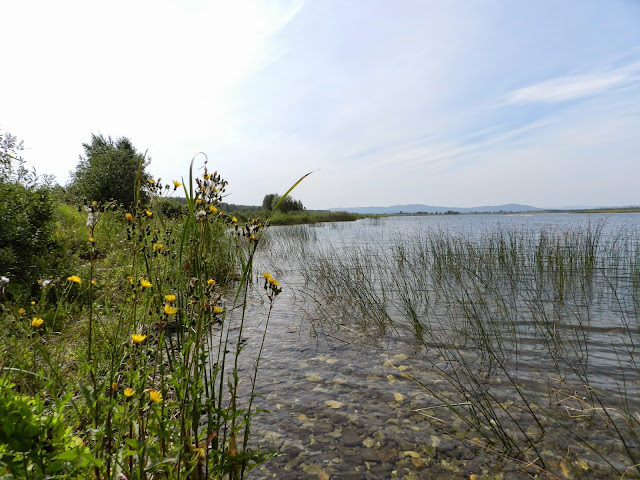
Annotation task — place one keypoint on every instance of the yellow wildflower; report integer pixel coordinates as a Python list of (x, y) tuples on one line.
[(211, 282), (33, 303), (266, 275), (130, 280), (114, 386), (217, 309), (155, 396), (93, 282), (75, 279), (129, 392), (170, 298), (92, 240), (36, 322), (152, 182), (198, 201), (138, 338), (157, 247), (128, 216), (145, 283), (176, 184), (252, 237), (234, 219), (169, 310), (206, 176), (22, 311), (148, 213), (273, 282), (213, 209)]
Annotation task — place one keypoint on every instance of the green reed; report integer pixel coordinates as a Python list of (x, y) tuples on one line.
[(480, 305)]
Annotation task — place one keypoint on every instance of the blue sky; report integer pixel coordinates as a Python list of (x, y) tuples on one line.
[(442, 103)]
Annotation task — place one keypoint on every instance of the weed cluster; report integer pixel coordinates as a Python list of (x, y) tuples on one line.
[(530, 336), (128, 367)]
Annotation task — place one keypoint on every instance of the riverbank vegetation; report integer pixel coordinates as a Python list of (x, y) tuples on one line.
[(117, 356), (527, 338), (279, 216)]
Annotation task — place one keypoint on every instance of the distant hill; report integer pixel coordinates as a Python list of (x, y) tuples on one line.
[(418, 208)]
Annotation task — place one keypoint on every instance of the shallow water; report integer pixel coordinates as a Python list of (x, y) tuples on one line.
[(344, 404)]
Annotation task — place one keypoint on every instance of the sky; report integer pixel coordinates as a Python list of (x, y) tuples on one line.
[(458, 104)]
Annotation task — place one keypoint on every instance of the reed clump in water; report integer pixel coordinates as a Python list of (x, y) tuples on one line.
[(533, 332)]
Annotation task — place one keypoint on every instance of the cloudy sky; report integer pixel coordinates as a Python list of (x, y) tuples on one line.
[(460, 103)]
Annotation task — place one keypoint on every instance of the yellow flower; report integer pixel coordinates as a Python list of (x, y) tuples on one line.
[(155, 396), (273, 282), (177, 184), (148, 213), (33, 302), (128, 216), (145, 283), (157, 247), (234, 219), (114, 386), (93, 282), (152, 182), (169, 310), (217, 309), (266, 275), (92, 240), (130, 280), (36, 322), (138, 338), (206, 176), (22, 311), (213, 209), (198, 201), (75, 279), (211, 281), (170, 298), (129, 392), (252, 237)]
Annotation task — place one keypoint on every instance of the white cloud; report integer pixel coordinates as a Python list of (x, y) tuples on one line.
[(562, 89)]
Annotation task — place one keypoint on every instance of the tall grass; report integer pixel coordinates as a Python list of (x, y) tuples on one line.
[(535, 334), (133, 351)]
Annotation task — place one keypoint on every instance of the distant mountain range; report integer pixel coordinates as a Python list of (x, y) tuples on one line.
[(419, 208)]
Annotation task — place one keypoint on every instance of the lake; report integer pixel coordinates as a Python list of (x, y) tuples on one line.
[(446, 346)]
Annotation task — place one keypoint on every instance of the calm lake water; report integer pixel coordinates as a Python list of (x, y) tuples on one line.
[(348, 403)]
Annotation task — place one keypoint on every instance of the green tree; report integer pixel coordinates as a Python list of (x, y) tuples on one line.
[(267, 201), (287, 205), (109, 170), (27, 212)]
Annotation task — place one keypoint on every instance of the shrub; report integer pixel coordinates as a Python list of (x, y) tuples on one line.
[(35, 443), (285, 205), (27, 244), (110, 171)]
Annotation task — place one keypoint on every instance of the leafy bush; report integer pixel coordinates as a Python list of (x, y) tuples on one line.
[(171, 208), (35, 443), (285, 205), (27, 244), (109, 171)]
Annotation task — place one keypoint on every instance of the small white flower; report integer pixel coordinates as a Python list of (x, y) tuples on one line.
[(92, 218), (4, 280), (200, 214), (45, 283)]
